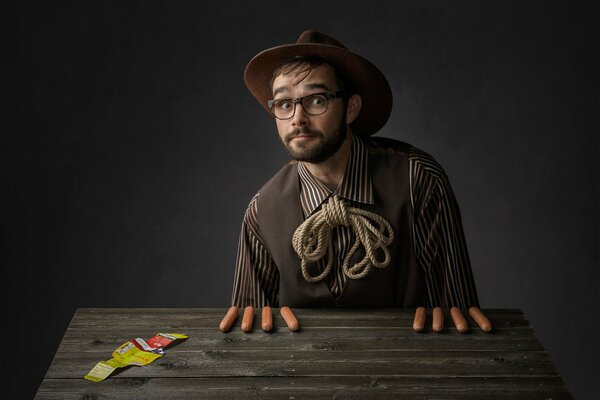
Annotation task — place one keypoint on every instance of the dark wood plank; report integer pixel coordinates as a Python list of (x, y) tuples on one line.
[(319, 363), (338, 387), (106, 339), (210, 318)]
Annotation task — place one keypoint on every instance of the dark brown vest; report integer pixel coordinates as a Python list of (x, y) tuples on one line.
[(398, 285)]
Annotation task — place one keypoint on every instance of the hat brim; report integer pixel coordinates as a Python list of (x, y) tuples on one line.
[(369, 82)]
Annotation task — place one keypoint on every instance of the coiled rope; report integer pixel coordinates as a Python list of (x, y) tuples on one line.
[(313, 238)]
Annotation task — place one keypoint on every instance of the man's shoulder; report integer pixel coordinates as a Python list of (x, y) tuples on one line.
[(287, 171), (384, 145), (285, 175), (418, 159), (422, 161)]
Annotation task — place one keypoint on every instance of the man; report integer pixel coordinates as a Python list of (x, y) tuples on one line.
[(353, 220)]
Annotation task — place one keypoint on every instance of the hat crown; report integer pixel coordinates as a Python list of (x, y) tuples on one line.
[(314, 37)]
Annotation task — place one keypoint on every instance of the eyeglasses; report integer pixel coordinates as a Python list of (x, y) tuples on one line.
[(313, 104)]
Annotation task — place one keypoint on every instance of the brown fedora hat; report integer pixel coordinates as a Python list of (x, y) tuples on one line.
[(367, 79)]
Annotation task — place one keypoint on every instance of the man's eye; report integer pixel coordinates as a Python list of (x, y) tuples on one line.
[(317, 101), (284, 104)]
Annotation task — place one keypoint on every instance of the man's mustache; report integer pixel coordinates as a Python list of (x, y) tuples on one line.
[(302, 131)]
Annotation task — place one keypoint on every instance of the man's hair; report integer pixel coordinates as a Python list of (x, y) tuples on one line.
[(302, 65)]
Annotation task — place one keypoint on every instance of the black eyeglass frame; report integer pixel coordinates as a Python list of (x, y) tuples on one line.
[(328, 96)]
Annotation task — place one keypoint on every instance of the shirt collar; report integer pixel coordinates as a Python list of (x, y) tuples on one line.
[(355, 185)]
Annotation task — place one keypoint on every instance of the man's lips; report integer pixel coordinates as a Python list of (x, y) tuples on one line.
[(302, 136)]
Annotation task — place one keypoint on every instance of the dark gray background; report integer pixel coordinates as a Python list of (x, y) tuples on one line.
[(133, 148)]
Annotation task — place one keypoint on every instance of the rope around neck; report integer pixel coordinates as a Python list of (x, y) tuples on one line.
[(313, 238)]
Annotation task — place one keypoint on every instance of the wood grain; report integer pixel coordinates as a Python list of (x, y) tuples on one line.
[(338, 353)]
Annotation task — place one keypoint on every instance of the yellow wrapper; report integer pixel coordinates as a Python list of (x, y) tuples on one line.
[(128, 354)]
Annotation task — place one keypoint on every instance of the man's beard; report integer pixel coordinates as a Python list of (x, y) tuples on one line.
[(318, 152)]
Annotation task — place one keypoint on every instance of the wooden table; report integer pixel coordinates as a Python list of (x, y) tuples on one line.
[(337, 354)]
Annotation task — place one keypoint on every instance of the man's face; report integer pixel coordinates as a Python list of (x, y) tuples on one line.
[(311, 138)]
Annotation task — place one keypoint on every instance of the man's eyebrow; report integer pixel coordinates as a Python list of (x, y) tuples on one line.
[(280, 90), (316, 85)]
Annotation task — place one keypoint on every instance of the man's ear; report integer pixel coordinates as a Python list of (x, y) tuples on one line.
[(353, 109)]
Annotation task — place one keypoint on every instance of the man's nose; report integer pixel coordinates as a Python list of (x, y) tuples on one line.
[(300, 116)]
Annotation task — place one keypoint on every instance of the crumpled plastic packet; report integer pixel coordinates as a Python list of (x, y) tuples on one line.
[(134, 352)]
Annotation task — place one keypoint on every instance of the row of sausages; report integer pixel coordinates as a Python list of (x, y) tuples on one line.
[(267, 319), (418, 324), (459, 320)]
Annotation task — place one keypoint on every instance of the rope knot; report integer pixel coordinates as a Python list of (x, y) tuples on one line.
[(335, 212), (312, 239)]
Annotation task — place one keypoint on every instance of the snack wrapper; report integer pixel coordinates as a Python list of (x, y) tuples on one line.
[(134, 352)]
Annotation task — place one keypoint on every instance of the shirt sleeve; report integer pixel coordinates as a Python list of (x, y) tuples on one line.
[(256, 279), (439, 240)]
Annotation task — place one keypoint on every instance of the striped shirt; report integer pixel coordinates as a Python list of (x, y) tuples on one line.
[(439, 244)]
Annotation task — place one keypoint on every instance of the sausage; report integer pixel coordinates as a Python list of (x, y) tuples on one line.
[(419, 321), (247, 319), (481, 319), (267, 319), (289, 318), (459, 320), (438, 320), (229, 319)]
